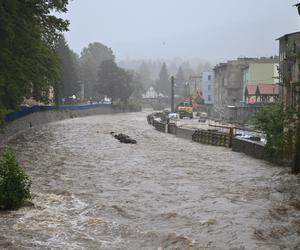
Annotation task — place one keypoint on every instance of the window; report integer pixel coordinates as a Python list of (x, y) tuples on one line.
[(208, 87), (209, 98), (209, 77)]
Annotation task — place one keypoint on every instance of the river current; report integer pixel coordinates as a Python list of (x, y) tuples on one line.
[(92, 192)]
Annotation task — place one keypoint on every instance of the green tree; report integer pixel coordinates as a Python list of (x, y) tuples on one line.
[(14, 182), (163, 83), (90, 61), (271, 121), (114, 82), (137, 85), (69, 63), (28, 61)]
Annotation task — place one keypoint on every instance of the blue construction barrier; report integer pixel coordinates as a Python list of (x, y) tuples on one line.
[(29, 110)]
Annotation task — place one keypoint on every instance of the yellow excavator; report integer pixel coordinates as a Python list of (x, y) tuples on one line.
[(184, 109)]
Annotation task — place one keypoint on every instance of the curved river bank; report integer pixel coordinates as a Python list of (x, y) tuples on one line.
[(92, 192)]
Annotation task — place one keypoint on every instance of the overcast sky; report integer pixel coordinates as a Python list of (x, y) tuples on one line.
[(208, 29)]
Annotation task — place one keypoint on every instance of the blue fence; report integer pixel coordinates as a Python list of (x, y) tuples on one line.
[(29, 110)]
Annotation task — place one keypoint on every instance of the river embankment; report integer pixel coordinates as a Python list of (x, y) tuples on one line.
[(36, 119)]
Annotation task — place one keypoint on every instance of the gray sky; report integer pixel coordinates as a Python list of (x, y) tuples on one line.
[(208, 29)]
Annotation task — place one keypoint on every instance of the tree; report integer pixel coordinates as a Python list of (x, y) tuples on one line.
[(28, 62), (180, 82), (137, 85), (69, 62), (114, 82), (163, 83), (14, 182), (187, 69), (271, 120), (90, 61), (145, 75)]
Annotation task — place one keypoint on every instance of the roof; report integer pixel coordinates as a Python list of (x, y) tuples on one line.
[(268, 89), (298, 4), (251, 89), (262, 89), (290, 34)]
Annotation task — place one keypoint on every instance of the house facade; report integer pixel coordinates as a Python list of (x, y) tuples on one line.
[(228, 88), (260, 73), (289, 68), (208, 82), (150, 93), (289, 54)]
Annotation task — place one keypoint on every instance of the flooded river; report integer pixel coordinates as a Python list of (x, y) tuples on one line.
[(92, 192)]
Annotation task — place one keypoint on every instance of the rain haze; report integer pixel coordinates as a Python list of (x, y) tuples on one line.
[(150, 124), (211, 30)]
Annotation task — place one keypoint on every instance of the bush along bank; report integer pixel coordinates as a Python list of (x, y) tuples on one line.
[(14, 182)]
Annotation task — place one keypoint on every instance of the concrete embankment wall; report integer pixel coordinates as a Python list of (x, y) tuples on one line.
[(251, 148), (185, 133), (40, 118)]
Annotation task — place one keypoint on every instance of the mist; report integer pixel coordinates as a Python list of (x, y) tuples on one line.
[(189, 29)]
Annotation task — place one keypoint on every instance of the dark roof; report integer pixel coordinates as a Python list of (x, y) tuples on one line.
[(290, 34), (298, 4)]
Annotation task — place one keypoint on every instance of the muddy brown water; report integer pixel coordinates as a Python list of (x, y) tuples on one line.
[(92, 192)]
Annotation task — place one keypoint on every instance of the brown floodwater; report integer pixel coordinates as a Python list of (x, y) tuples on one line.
[(92, 192)]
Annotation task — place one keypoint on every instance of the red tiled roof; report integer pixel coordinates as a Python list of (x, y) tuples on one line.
[(251, 89), (268, 89)]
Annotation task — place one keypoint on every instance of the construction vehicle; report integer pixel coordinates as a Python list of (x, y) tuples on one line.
[(184, 109)]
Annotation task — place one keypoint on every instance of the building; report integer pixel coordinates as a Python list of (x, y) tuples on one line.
[(260, 73), (289, 61), (229, 87), (151, 93), (261, 93), (208, 82), (289, 68)]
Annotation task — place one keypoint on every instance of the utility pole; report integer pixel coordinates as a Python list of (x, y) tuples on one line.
[(172, 93)]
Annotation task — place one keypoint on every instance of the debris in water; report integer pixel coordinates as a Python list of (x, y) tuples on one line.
[(123, 138)]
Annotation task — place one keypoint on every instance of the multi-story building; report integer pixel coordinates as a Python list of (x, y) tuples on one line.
[(229, 83), (228, 89), (208, 80), (289, 61), (289, 67)]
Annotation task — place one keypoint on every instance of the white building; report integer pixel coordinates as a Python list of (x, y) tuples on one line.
[(208, 81), (151, 94)]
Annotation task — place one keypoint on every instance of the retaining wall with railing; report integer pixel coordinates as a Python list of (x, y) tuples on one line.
[(216, 138)]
